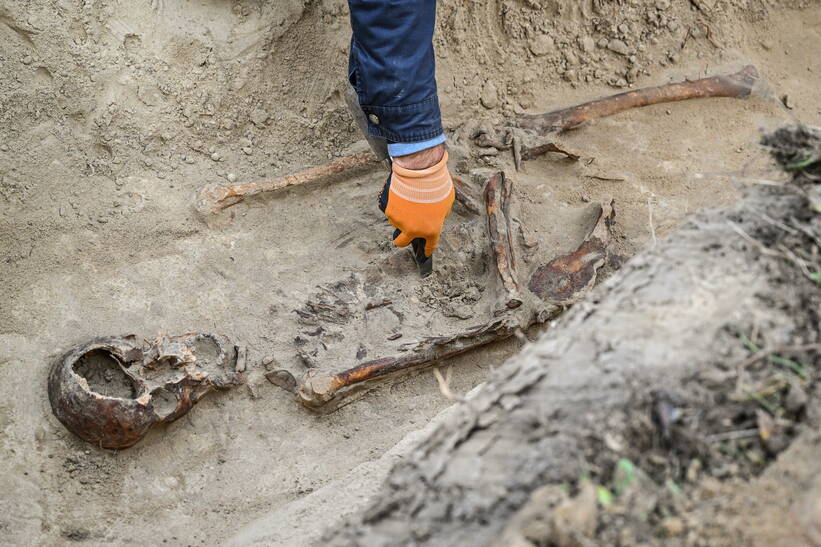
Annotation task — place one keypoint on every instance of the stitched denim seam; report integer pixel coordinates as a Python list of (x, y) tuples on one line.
[(427, 104), (391, 136)]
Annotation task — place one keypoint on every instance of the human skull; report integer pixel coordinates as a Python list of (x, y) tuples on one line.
[(111, 391)]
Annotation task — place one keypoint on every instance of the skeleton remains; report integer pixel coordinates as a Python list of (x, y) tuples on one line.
[(552, 285), (111, 391)]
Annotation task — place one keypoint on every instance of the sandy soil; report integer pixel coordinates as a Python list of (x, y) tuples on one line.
[(113, 114)]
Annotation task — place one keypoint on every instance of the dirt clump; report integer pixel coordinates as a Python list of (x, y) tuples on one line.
[(104, 375)]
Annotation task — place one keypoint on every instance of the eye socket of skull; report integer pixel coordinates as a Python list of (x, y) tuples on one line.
[(210, 356), (164, 403)]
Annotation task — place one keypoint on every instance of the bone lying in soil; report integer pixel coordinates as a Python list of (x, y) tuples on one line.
[(497, 194), (111, 391), (738, 85), (219, 196), (566, 278)]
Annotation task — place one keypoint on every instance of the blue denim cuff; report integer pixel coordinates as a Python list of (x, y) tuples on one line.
[(405, 148), (407, 123)]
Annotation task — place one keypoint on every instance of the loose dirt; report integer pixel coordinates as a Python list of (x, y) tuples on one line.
[(112, 115), (104, 376)]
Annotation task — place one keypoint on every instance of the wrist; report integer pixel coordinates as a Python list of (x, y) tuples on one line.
[(424, 186), (422, 159)]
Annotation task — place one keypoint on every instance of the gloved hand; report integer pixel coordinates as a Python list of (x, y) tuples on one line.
[(417, 202)]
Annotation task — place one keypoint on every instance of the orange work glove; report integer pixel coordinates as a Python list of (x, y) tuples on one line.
[(417, 202)]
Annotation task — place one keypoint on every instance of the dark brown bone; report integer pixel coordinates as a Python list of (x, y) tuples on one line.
[(738, 85), (169, 366), (316, 390), (531, 152), (564, 280), (497, 192), (462, 195)]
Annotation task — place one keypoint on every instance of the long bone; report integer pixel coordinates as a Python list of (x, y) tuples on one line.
[(315, 390), (738, 85), (497, 194), (215, 197), (527, 137)]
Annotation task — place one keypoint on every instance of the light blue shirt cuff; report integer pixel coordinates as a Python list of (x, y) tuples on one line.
[(405, 148)]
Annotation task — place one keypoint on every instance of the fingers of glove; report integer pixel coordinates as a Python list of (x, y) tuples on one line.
[(431, 242), (384, 195), (403, 239)]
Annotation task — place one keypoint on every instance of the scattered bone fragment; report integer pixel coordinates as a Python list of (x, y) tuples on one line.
[(110, 391), (532, 152), (484, 139), (462, 193), (525, 145), (497, 194), (284, 379), (564, 279)]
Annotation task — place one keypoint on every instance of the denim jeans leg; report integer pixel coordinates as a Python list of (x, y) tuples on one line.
[(392, 68)]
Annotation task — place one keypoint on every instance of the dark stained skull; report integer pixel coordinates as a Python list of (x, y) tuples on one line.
[(111, 391)]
